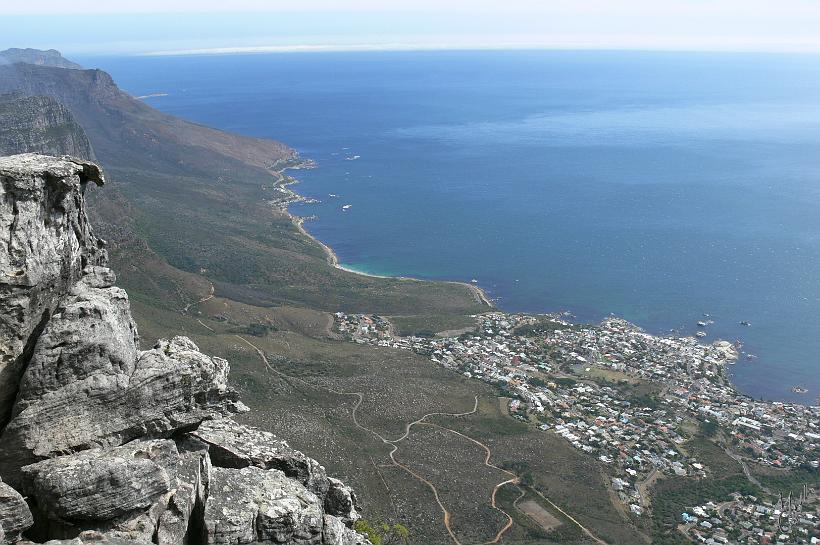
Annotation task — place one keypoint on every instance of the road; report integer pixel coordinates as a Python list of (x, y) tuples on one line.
[(752, 479)]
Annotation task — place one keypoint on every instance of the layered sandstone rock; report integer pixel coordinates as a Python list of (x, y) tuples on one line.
[(111, 444)]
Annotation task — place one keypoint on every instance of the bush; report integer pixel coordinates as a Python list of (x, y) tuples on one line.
[(258, 329), (383, 533)]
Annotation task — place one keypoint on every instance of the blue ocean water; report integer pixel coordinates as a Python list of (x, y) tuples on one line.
[(655, 186)]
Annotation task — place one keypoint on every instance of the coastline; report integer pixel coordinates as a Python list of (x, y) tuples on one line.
[(290, 196)]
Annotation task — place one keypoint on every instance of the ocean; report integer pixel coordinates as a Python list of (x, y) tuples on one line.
[(659, 187)]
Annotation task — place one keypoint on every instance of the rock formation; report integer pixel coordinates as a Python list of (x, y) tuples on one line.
[(105, 443)]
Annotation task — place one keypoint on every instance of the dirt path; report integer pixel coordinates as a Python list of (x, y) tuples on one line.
[(513, 480), (195, 303), (644, 485), (209, 328), (394, 447)]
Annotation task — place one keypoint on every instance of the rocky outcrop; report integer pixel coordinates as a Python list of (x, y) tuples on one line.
[(40, 124), (111, 444), (88, 386), (235, 446), (46, 245)]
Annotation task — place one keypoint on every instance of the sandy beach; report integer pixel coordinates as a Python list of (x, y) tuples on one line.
[(284, 183)]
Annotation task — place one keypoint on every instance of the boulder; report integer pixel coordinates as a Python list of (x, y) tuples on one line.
[(88, 386), (340, 501), (101, 485), (252, 505), (15, 516), (144, 492), (337, 533), (233, 445), (181, 518)]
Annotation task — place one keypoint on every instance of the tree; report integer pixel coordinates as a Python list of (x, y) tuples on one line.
[(709, 428)]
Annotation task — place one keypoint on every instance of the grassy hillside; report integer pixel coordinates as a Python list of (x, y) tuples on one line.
[(194, 203)]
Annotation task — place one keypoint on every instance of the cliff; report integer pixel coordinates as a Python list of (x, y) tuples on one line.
[(104, 442), (40, 124)]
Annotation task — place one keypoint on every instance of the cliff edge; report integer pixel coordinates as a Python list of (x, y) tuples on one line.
[(103, 442)]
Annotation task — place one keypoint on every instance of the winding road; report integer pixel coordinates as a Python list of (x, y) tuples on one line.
[(393, 443)]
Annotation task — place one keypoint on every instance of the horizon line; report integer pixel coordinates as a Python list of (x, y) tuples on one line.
[(376, 47)]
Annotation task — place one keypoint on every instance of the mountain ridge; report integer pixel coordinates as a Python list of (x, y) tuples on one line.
[(48, 57)]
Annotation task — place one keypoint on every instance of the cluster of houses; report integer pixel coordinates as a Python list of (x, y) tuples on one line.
[(771, 433), (363, 328), (750, 520), (634, 440), (537, 359)]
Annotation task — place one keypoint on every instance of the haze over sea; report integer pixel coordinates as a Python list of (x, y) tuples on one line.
[(655, 186)]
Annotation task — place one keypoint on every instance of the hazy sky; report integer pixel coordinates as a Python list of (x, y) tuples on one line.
[(150, 26)]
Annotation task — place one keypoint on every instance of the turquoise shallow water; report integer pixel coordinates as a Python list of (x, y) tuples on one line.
[(656, 186)]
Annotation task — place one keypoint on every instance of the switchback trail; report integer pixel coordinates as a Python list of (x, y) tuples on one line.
[(751, 478), (513, 480), (394, 447)]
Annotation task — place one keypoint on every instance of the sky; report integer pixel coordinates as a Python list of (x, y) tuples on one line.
[(217, 26)]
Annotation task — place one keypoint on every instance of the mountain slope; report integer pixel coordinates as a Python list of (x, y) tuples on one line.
[(40, 124), (128, 131)]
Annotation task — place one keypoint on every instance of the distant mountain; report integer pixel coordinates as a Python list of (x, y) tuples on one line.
[(49, 57), (193, 208), (126, 131), (40, 124)]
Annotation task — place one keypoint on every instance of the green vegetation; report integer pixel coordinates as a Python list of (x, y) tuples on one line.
[(708, 428), (672, 497), (547, 325), (566, 382), (258, 329), (384, 533), (427, 325), (644, 400), (784, 481)]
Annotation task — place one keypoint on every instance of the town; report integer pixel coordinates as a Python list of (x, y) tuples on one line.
[(748, 519), (628, 398)]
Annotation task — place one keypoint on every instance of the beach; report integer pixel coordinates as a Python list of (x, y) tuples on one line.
[(284, 184)]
